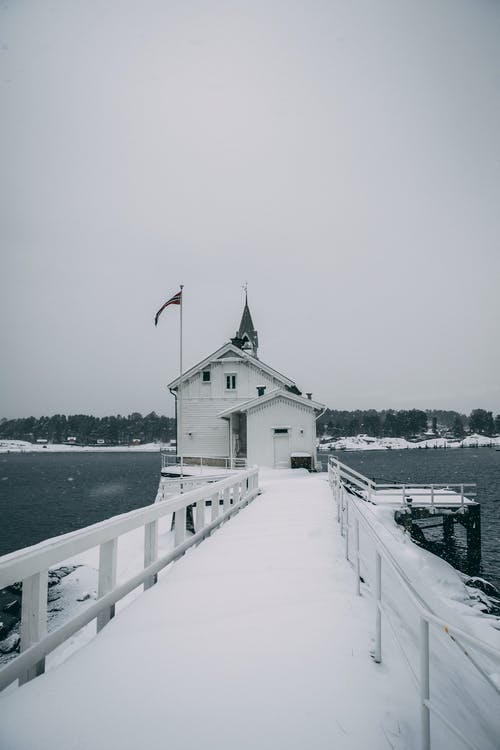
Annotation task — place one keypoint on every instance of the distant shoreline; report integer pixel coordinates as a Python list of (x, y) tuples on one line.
[(366, 443), (22, 446)]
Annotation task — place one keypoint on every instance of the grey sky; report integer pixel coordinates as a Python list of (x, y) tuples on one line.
[(342, 157)]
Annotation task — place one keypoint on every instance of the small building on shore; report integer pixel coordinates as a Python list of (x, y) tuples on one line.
[(236, 406)]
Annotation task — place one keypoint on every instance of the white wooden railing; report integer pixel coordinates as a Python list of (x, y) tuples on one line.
[(180, 485), (169, 460), (31, 565), (434, 490), (355, 514)]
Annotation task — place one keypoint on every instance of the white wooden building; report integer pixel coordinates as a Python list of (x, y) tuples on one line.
[(235, 406)]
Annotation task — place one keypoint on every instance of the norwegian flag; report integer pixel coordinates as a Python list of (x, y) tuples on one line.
[(175, 300)]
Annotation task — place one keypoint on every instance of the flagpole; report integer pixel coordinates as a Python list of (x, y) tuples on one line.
[(179, 416)]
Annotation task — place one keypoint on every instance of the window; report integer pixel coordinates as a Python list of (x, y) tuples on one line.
[(230, 382), (281, 430), (205, 376)]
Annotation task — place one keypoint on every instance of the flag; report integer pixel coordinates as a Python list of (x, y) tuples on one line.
[(175, 300)]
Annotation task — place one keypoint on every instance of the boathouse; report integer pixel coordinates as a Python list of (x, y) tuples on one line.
[(236, 406)]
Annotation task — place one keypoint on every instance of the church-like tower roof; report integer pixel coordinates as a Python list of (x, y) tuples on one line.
[(246, 336), (246, 325)]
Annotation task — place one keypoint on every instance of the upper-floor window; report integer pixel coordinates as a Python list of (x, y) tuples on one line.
[(230, 382), (205, 376)]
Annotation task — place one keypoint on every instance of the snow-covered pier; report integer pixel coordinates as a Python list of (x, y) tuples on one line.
[(283, 629)]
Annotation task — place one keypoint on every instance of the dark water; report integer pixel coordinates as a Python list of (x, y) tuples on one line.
[(479, 465), (44, 495)]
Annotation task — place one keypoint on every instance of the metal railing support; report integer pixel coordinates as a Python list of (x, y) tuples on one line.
[(358, 566), (425, 716), (347, 528), (377, 652)]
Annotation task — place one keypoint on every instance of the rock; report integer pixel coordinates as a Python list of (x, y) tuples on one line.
[(10, 644), (485, 586)]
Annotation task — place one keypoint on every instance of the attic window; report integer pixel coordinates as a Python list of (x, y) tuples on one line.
[(205, 376), (230, 382)]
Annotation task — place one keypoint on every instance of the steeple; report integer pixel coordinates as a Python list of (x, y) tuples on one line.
[(246, 336)]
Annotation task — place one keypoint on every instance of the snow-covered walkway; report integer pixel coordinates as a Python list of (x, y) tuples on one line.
[(255, 639)]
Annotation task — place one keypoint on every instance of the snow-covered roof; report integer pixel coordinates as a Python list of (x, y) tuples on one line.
[(231, 348), (271, 396)]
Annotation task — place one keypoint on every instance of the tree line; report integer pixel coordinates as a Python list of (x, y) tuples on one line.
[(86, 429), (121, 430), (407, 423)]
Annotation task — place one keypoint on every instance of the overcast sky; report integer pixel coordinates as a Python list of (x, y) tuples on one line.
[(343, 157)]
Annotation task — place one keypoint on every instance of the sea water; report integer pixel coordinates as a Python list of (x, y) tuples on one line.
[(44, 495)]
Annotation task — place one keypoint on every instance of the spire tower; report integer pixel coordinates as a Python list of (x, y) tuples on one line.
[(246, 335)]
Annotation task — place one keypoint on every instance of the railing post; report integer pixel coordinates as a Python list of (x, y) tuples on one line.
[(107, 579), (342, 492), (403, 492), (215, 507), (227, 500), (150, 550), (377, 653), (200, 515), (180, 526), (347, 528), (432, 497), (462, 495), (33, 619), (358, 571), (425, 717)]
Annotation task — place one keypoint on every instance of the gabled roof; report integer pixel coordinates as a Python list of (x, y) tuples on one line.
[(236, 352), (271, 396)]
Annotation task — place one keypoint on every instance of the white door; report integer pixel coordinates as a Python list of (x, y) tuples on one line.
[(281, 451)]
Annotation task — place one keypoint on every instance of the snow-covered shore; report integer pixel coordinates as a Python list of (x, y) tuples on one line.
[(351, 443), (22, 446), (366, 443)]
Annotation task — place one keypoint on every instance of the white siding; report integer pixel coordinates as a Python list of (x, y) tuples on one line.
[(279, 413), (201, 402)]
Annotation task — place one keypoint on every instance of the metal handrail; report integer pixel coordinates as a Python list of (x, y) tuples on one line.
[(347, 502)]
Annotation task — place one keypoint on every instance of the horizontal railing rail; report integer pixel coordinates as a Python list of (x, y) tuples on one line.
[(352, 515), (437, 490), (225, 462), (180, 485), (30, 566)]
